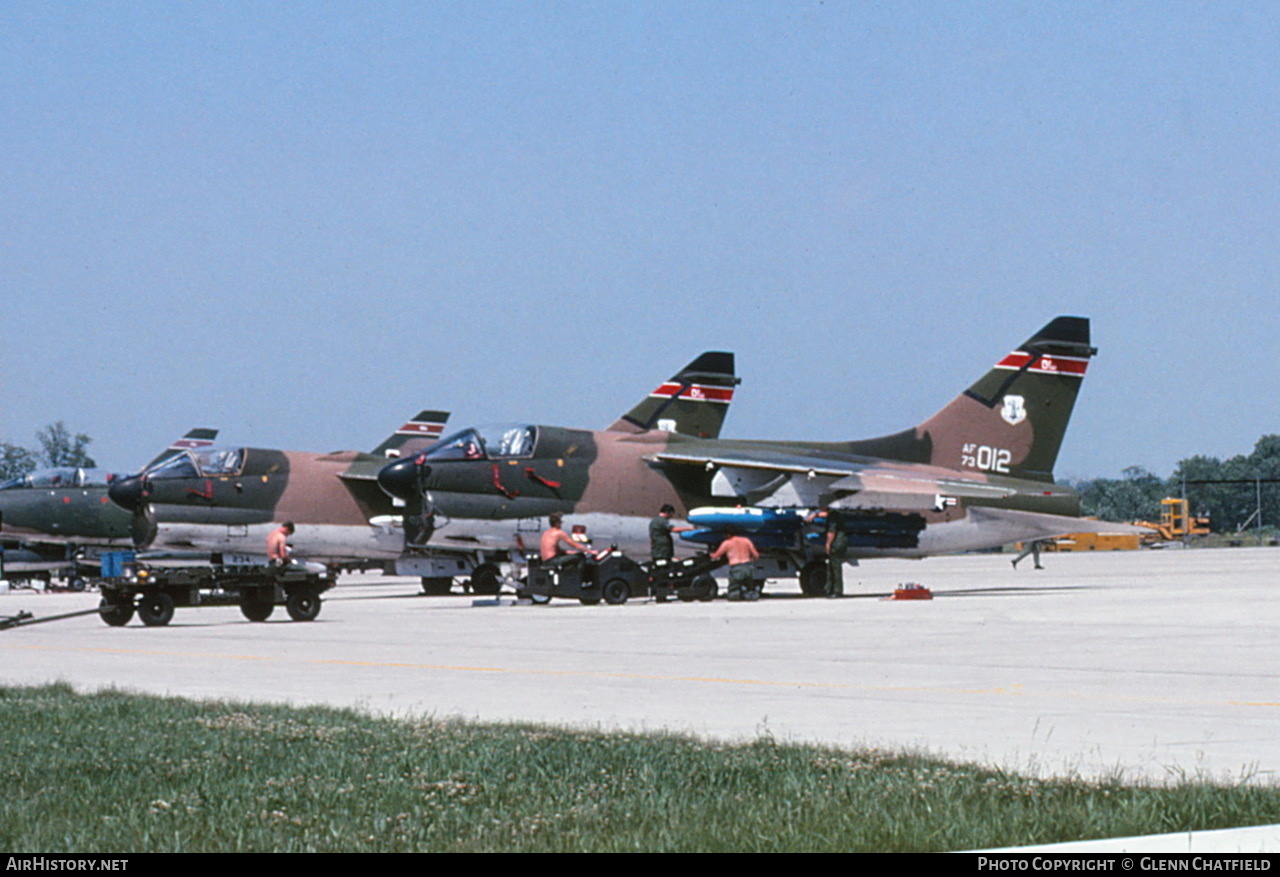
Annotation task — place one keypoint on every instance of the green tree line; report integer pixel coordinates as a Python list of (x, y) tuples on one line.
[(1137, 493), (58, 446)]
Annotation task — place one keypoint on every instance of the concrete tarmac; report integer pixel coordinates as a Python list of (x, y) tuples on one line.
[(1151, 665)]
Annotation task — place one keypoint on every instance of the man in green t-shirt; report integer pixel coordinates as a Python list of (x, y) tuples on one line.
[(661, 546)]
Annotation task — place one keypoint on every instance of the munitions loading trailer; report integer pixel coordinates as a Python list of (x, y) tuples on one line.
[(155, 591), (615, 578)]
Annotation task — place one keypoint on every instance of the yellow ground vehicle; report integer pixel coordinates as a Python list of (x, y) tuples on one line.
[(1176, 521)]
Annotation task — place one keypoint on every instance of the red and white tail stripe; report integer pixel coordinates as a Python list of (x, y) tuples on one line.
[(694, 392), (190, 444), (421, 427), (1073, 366)]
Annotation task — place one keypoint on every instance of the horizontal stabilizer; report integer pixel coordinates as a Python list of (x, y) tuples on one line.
[(1042, 526)]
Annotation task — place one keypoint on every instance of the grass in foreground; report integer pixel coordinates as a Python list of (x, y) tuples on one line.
[(113, 772)]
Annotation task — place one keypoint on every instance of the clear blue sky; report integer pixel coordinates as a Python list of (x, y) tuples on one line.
[(303, 222)]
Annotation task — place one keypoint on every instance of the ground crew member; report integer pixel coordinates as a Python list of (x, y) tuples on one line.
[(1032, 547), (837, 542), (278, 544), (661, 546), (556, 543), (742, 555)]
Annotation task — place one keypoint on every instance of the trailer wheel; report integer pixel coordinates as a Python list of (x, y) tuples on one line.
[(257, 610), (116, 613), (704, 587), (486, 579), (813, 578), (303, 605), (615, 591), (155, 609), (76, 583)]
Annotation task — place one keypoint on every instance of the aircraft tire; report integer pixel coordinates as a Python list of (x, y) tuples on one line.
[(257, 610), (486, 579), (303, 604), (155, 609), (813, 578), (116, 613), (615, 592), (437, 586)]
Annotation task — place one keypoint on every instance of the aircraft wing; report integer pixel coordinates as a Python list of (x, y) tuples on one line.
[(783, 478)]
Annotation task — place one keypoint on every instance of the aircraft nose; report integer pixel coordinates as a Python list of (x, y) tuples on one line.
[(400, 479), (127, 492)]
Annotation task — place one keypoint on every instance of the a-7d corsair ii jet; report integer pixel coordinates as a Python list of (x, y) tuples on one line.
[(978, 474), (228, 499)]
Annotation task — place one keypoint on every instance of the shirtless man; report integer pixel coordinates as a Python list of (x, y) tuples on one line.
[(278, 544), (742, 555), (556, 542)]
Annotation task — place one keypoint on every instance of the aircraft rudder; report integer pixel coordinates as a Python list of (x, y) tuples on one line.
[(694, 401), (192, 440), (1012, 420), (423, 429)]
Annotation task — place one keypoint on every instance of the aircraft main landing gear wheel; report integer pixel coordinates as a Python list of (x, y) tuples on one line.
[(155, 609), (615, 592), (303, 605), (257, 610), (486, 579), (813, 578), (116, 613)]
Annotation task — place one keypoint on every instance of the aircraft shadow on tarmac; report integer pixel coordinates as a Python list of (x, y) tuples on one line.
[(995, 591)]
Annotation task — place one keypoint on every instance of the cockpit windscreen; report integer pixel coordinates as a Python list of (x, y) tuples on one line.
[(486, 442)]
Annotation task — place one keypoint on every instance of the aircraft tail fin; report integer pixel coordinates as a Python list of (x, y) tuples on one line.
[(424, 429), (1011, 421), (693, 402), (195, 439)]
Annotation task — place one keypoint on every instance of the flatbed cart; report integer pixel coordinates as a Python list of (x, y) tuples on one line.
[(615, 578), (155, 591)]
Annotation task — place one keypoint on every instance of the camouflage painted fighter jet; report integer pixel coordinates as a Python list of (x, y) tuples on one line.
[(70, 505), (227, 500), (50, 516), (978, 474)]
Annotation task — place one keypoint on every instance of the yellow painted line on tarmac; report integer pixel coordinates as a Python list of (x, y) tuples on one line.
[(1012, 690), (463, 668)]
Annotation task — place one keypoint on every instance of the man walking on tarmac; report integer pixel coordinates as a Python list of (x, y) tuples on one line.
[(278, 544), (742, 555)]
